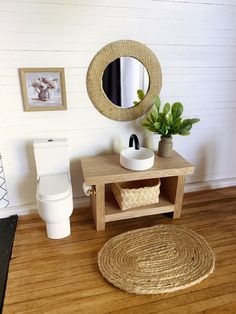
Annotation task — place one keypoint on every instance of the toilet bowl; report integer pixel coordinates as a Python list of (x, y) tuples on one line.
[(55, 204), (54, 191)]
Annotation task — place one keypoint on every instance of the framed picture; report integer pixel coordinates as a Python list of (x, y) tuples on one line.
[(43, 89)]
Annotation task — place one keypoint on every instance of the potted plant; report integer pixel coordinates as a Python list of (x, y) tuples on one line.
[(167, 123)]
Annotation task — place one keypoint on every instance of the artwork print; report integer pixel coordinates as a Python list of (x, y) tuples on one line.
[(43, 89)]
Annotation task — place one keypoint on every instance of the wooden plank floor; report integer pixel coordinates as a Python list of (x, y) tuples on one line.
[(61, 276)]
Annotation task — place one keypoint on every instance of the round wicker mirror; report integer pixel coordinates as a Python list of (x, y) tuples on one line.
[(98, 65)]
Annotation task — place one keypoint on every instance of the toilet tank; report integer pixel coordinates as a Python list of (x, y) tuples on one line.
[(51, 156)]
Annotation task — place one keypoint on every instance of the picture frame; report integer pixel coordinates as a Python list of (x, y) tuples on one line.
[(43, 89)]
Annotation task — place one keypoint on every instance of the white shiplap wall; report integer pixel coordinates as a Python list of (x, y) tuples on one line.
[(195, 42)]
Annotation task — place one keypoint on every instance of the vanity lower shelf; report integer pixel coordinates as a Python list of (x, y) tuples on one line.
[(113, 212)]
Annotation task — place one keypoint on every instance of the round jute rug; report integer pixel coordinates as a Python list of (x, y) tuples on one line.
[(159, 259)]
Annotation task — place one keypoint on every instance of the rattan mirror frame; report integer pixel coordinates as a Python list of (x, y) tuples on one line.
[(99, 63)]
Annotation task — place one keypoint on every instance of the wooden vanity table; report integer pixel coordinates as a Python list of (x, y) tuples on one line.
[(101, 171)]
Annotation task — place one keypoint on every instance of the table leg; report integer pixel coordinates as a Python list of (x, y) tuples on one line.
[(98, 207), (173, 187), (179, 197)]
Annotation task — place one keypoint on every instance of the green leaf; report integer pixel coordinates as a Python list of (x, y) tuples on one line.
[(166, 121), (152, 129), (177, 110), (135, 103), (146, 125), (184, 132), (141, 94), (155, 114), (178, 122), (149, 120), (185, 123), (157, 102), (166, 108), (176, 125), (189, 127), (194, 120), (157, 125), (152, 117), (160, 116), (164, 128), (169, 119)]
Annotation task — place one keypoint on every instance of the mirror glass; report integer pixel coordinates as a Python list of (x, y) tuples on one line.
[(122, 79)]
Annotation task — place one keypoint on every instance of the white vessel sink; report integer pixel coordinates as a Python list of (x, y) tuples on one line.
[(137, 160)]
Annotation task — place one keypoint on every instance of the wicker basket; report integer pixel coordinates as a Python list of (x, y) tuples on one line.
[(136, 193)]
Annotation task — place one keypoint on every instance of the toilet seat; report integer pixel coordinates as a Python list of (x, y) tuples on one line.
[(53, 187)]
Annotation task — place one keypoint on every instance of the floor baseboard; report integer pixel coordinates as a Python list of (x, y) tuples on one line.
[(209, 185), (85, 202), (32, 208)]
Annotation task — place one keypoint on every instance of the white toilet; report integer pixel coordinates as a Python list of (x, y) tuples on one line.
[(54, 191)]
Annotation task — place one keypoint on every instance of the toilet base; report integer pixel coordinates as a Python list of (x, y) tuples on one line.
[(58, 230)]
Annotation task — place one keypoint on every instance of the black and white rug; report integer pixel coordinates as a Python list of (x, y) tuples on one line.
[(7, 233)]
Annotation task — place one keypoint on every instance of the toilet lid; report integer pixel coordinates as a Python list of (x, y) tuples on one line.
[(53, 187)]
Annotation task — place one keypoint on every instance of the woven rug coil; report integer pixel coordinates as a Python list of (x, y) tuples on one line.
[(157, 259)]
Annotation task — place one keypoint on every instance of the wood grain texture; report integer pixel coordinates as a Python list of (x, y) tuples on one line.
[(107, 169), (173, 188), (98, 207), (101, 170), (113, 212), (179, 197), (50, 276)]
